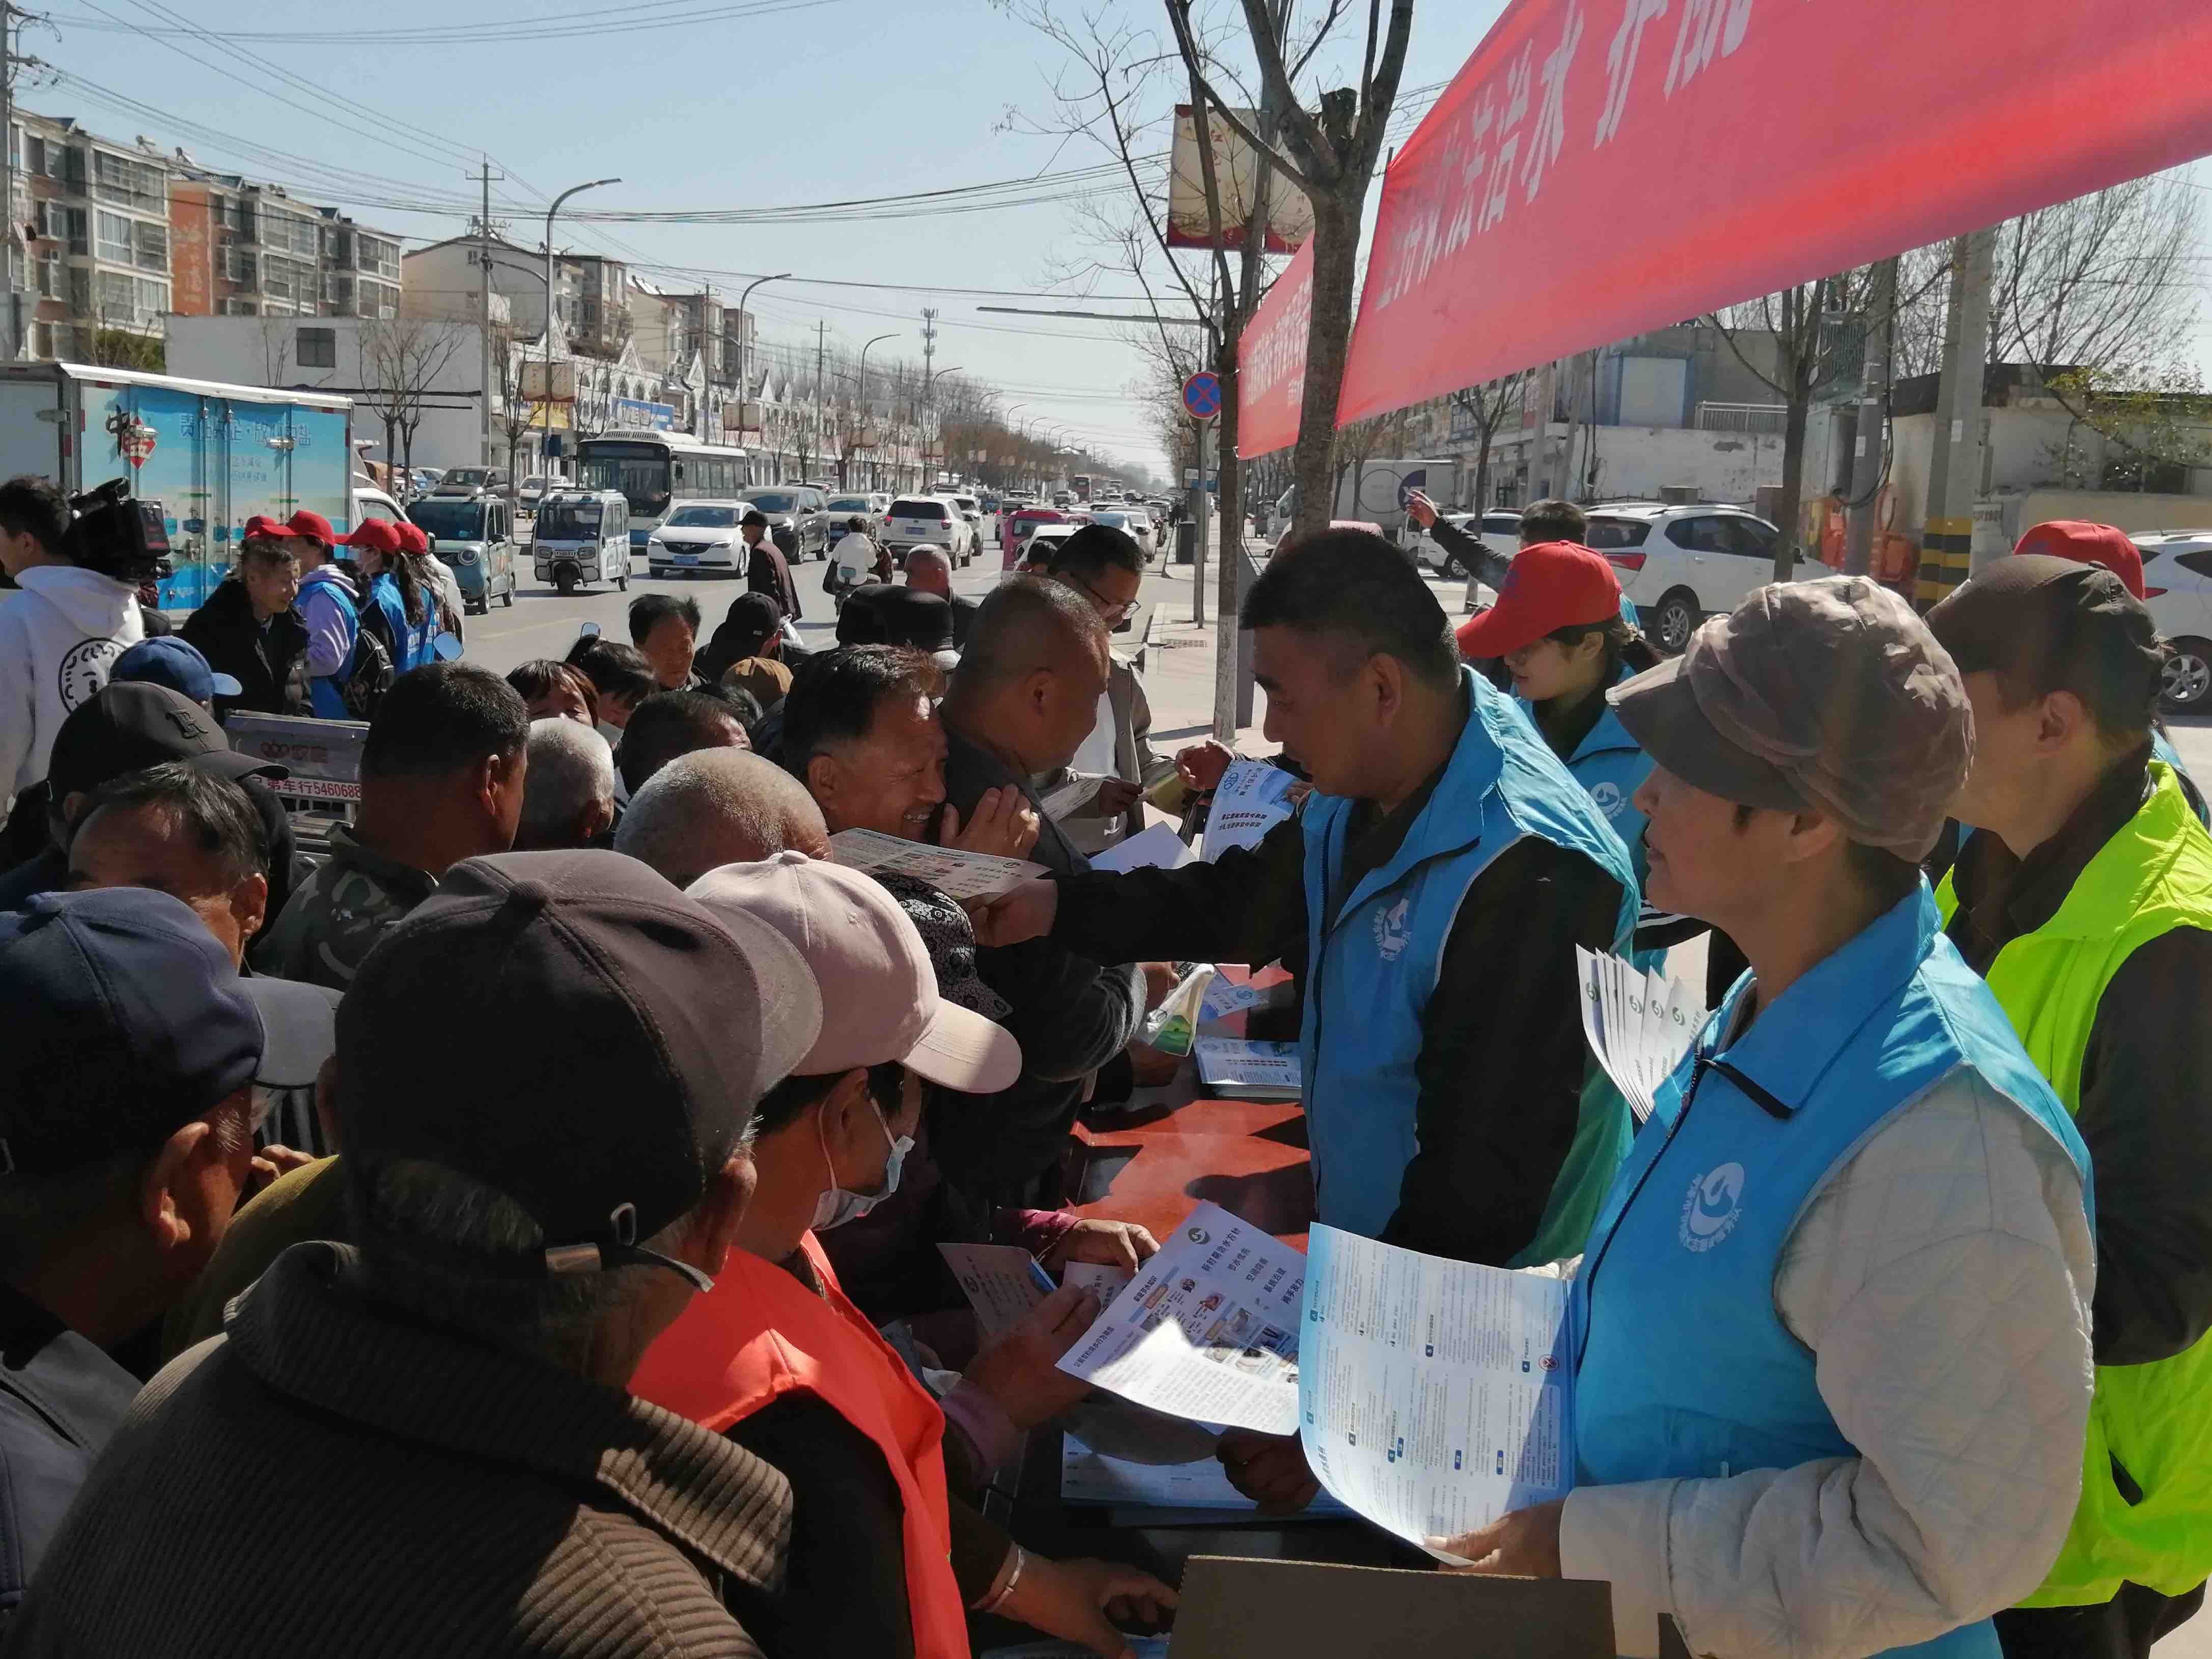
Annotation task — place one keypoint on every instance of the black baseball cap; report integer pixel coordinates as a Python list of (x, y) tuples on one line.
[(2058, 624), (127, 1021), (883, 613), (655, 1028), (753, 516), (127, 726)]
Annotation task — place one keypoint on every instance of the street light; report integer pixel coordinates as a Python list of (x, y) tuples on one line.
[(743, 300), (878, 341), (546, 443)]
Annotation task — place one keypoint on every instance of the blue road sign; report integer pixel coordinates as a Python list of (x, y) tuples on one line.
[(1202, 395)]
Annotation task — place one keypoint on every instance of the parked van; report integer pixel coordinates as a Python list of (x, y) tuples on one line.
[(582, 536)]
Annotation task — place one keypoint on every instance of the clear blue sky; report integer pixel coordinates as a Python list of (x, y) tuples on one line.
[(800, 101), (812, 103)]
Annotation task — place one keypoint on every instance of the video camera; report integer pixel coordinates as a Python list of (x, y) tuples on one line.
[(117, 536)]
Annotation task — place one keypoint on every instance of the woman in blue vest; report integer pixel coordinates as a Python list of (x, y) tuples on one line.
[(397, 589), (1558, 627), (1830, 1331)]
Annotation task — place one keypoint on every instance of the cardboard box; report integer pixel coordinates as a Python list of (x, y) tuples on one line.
[(1234, 1608)]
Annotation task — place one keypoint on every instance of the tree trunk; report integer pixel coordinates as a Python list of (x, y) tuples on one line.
[(1329, 338), (1791, 512)]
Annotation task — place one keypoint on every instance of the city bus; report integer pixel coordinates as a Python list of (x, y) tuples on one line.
[(655, 470), (1079, 483)]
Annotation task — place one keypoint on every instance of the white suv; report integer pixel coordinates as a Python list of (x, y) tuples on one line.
[(1682, 564), (2178, 589), (928, 521)]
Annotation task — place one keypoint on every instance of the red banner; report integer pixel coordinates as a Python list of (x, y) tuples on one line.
[(1271, 360), (1603, 167)]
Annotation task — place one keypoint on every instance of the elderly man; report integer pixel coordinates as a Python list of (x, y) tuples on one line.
[(666, 629), (182, 831), (929, 571), (2085, 894), (1832, 1327), (250, 630), (129, 1075), (123, 729), (1025, 694), (672, 723), (568, 798), (1106, 566), (859, 732), (442, 780), (719, 807), (766, 570), (532, 1217)]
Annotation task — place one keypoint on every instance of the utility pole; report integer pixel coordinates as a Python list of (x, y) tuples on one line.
[(8, 13), (484, 316), (821, 426), (1955, 466), (1867, 453)]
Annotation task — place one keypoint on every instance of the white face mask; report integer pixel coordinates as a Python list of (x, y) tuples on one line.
[(837, 1207)]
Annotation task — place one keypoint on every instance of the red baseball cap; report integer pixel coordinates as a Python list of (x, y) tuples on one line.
[(378, 534), (412, 537), (1549, 585), (314, 526), (2089, 544), (260, 527)]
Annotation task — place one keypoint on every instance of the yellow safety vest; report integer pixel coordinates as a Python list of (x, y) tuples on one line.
[(2150, 1425)]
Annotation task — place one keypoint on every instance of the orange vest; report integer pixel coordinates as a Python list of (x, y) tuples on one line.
[(761, 1334)]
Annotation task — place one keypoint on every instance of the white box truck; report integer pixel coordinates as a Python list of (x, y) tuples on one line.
[(213, 455), (1374, 492)]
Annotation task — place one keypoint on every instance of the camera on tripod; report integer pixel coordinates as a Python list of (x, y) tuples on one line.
[(117, 535)]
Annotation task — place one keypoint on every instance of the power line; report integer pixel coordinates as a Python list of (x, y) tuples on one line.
[(483, 33)]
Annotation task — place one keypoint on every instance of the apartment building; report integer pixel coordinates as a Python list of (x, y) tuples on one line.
[(95, 217), (242, 249)]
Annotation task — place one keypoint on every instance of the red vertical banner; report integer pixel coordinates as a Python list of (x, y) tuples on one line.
[(1271, 360), (1603, 167)]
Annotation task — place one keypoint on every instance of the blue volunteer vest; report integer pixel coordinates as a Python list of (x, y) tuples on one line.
[(1373, 963), (1612, 766), (413, 639), (1684, 1368)]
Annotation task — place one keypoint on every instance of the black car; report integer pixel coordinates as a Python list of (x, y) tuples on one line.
[(798, 518)]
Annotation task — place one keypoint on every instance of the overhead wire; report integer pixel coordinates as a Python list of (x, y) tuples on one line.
[(568, 25)]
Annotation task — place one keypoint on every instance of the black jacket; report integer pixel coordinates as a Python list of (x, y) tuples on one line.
[(2146, 1107), (269, 663), (1502, 1057), (1070, 1014)]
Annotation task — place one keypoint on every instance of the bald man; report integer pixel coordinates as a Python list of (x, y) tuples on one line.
[(928, 571), (1024, 696), (718, 806)]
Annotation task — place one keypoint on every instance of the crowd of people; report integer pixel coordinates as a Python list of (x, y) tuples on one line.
[(516, 1229)]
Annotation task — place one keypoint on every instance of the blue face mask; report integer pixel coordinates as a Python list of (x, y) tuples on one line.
[(837, 1207)]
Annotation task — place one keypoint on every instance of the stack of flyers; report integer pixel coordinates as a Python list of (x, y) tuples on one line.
[(1639, 1025)]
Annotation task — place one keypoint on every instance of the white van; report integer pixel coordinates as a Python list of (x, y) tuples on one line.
[(581, 536)]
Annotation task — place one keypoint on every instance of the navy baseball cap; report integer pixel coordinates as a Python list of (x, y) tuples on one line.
[(176, 663), (127, 1021)]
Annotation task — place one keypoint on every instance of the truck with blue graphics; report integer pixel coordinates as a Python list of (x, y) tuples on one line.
[(212, 455)]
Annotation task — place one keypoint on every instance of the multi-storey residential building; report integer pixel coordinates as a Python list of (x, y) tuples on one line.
[(243, 249), (96, 219)]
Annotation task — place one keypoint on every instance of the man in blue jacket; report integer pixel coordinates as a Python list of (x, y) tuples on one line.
[(1430, 896)]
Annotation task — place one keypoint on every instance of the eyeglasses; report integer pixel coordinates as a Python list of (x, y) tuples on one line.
[(1111, 612)]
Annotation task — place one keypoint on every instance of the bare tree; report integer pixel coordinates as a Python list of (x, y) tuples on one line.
[(1486, 406), (401, 360), (1331, 157), (514, 414), (276, 349)]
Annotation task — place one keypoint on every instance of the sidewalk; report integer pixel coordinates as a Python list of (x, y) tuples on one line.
[(1179, 662)]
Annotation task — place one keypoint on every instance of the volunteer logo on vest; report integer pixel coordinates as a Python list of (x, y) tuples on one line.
[(1709, 1212), (1390, 935), (1609, 799), (84, 670)]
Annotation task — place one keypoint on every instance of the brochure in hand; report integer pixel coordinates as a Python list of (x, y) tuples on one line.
[(1432, 1396), (957, 874)]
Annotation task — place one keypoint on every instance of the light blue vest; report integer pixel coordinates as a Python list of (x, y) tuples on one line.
[(1612, 766), (413, 639), (1372, 965), (1684, 1368)]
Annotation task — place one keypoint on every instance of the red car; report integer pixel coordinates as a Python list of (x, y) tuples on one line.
[(1018, 525)]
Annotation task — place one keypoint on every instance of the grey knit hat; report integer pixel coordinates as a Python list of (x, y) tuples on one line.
[(1828, 696)]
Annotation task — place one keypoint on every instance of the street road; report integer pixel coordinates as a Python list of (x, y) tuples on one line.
[(542, 623)]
